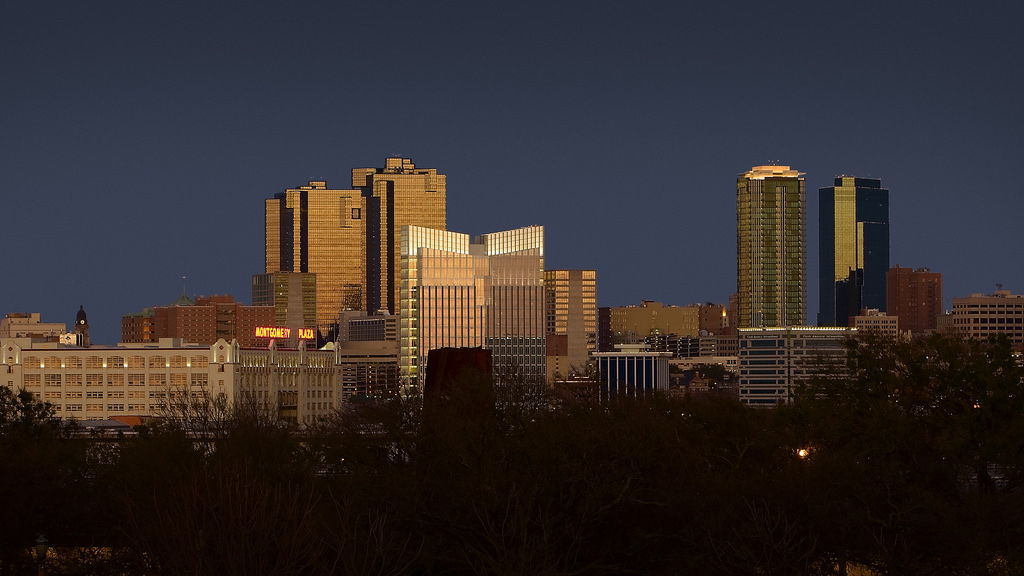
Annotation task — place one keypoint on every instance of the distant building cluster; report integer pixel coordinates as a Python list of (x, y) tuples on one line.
[(362, 283)]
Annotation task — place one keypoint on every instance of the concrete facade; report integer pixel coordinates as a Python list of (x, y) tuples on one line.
[(772, 361)]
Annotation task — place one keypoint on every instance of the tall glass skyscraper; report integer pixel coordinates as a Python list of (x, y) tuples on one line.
[(489, 293), (771, 251), (398, 195), (314, 229), (853, 248), (350, 238)]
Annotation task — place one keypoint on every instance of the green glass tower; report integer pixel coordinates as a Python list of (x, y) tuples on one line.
[(771, 251)]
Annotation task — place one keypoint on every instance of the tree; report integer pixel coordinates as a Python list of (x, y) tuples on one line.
[(912, 442)]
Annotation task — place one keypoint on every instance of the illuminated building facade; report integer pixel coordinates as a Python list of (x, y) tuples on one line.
[(350, 239), (104, 382), (488, 293), (915, 296), (571, 311), (515, 321), (317, 230), (774, 360), (631, 324), (98, 383), (853, 244), (399, 195), (771, 249)]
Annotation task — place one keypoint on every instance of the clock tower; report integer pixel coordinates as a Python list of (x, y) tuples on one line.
[(82, 327)]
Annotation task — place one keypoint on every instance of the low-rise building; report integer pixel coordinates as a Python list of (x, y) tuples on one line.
[(30, 325), (146, 379), (632, 371), (772, 361), (982, 315), (873, 321)]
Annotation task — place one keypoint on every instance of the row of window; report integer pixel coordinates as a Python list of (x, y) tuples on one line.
[(113, 362), (75, 380)]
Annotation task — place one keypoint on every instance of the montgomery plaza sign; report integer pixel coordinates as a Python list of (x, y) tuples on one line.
[(282, 333)]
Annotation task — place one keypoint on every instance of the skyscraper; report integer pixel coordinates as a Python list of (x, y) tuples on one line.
[(489, 293), (853, 248), (398, 195), (771, 248), (571, 304), (314, 229), (350, 238)]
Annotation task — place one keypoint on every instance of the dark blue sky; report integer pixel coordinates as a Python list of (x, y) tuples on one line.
[(138, 140)]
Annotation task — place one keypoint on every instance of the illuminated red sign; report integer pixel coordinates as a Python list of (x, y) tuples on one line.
[(283, 333)]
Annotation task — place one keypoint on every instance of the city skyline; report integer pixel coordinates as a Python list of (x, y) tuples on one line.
[(137, 142)]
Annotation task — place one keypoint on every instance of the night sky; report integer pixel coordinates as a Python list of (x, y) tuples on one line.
[(138, 140)]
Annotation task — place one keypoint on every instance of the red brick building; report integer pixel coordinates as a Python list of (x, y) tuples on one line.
[(199, 321), (915, 296)]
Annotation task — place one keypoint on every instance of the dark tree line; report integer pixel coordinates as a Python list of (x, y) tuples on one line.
[(908, 460)]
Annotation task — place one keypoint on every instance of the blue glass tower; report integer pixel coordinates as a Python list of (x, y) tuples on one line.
[(853, 248)]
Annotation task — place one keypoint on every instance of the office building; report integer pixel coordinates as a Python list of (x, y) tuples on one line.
[(355, 326), (915, 297), (489, 293), (631, 324), (872, 321), (292, 296), (368, 369), (317, 230), (771, 248), (350, 239), (772, 361), (571, 311), (979, 316), (853, 248), (400, 195)]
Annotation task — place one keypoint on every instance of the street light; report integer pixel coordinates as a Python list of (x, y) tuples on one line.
[(41, 545)]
